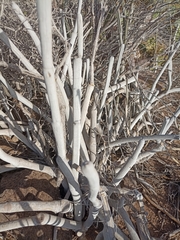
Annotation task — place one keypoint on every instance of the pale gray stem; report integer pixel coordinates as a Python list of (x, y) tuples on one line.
[(45, 20), (27, 26), (63, 206), (92, 176), (41, 219), (129, 225), (21, 163), (145, 138), (163, 69), (129, 164)]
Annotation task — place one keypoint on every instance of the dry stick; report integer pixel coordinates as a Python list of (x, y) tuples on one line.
[(121, 84), (21, 163), (129, 164), (44, 15), (63, 100), (161, 209), (84, 152), (105, 91), (39, 134), (173, 90), (145, 156), (5, 105), (87, 69), (127, 121), (72, 42), (17, 132), (126, 219), (163, 69), (78, 77), (173, 234), (80, 35), (58, 68), (37, 43), (63, 39), (41, 219), (163, 94), (110, 120), (109, 227), (143, 111), (90, 87), (141, 221), (27, 26), (22, 99), (70, 50), (145, 138), (77, 99), (3, 64), (170, 65), (67, 66), (173, 119), (119, 63), (76, 116), (63, 206), (85, 104), (148, 106), (84, 73), (92, 141), (15, 67), (2, 9), (129, 225), (148, 138), (21, 57), (168, 123), (21, 125), (70, 73), (170, 70), (63, 25)]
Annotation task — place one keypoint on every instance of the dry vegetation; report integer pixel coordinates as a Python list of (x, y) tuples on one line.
[(130, 80)]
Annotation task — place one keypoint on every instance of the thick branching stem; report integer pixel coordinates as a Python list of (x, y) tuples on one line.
[(41, 219), (63, 206), (76, 115), (45, 20), (21, 163)]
